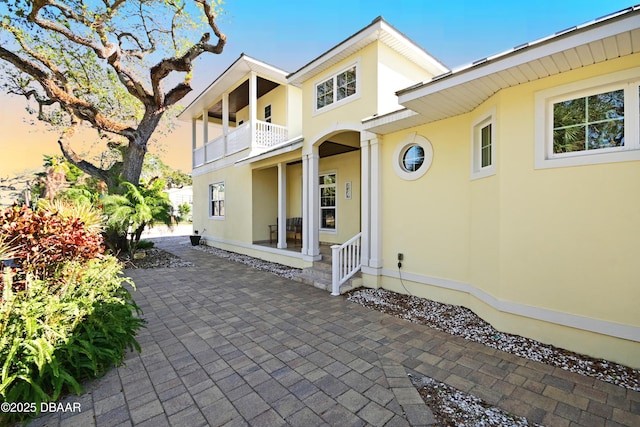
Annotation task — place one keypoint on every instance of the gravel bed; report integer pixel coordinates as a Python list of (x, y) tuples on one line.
[(454, 408), (271, 267), (463, 322), (157, 258)]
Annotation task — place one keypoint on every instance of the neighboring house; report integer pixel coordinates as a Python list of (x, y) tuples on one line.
[(510, 186), (179, 196)]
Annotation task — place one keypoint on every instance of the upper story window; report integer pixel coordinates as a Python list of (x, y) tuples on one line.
[(592, 121), (483, 146), (337, 88), (267, 113)]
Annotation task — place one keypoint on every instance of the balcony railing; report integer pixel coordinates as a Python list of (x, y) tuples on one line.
[(267, 135)]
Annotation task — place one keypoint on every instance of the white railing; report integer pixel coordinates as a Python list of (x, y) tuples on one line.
[(269, 135), (346, 262), (239, 139), (198, 157), (214, 149)]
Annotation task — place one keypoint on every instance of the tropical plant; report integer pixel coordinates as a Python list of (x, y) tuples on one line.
[(184, 209), (105, 64), (130, 212), (64, 313)]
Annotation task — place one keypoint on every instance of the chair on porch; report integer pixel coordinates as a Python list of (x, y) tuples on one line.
[(293, 226)]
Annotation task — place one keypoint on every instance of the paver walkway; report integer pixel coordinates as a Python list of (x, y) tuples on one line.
[(229, 345)]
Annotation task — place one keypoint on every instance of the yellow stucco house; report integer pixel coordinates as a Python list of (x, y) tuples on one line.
[(510, 186)]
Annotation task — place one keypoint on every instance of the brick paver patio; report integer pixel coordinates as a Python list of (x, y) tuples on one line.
[(229, 345)]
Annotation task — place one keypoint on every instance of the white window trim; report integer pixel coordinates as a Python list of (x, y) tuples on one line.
[(217, 217), (477, 171), (408, 141), (333, 76), (335, 229), (544, 100)]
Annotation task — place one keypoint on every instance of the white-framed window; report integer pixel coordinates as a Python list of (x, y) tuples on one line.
[(216, 200), (483, 146), (337, 89), (328, 208), (589, 122), (267, 113), (412, 157)]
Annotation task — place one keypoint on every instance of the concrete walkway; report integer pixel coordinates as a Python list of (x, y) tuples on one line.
[(229, 345)]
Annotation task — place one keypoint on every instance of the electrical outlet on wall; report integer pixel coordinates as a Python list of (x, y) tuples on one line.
[(400, 256)]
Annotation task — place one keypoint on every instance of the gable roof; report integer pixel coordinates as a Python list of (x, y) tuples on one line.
[(379, 29), (461, 90), (231, 76)]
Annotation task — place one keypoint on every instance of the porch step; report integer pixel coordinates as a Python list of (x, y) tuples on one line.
[(320, 276)]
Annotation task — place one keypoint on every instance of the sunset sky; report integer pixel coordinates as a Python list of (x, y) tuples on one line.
[(290, 33)]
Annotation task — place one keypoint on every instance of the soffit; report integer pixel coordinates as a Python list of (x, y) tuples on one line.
[(230, 78), (462, 90), (378, 30)]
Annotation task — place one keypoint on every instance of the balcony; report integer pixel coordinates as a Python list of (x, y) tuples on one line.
[(267, 136)]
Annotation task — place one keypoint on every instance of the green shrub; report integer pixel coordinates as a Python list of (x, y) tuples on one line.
[(145, 244), (65, 322)]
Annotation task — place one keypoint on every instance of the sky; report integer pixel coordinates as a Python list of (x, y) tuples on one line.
[(290, 33)]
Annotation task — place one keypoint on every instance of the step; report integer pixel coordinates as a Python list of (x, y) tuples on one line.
[(322, 279)]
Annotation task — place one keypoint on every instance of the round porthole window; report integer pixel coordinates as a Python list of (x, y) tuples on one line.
[(413, 157)]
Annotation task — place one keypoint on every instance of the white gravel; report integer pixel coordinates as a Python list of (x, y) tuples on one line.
[(271, 267), (453, 407)]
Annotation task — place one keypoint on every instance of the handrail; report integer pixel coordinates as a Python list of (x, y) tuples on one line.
[(345, 262)]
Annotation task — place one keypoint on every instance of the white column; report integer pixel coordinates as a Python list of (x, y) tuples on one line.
[(225, 122), (205, 132), (365, 199), (194, 141), (376, 206), (253, 102), (282, 205), (305, 204), (314, 204)]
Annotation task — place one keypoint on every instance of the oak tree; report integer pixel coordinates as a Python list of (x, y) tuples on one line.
[(115, 65)]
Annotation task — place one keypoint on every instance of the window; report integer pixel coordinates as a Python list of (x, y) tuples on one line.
[(328, 201), (483, 146), (337, 88), (216, 198), (412, 157), (588, 122), (267, 113)]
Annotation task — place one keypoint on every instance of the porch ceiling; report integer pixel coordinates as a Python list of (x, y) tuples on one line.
[(228, 79), (328, 149), (239, 98)]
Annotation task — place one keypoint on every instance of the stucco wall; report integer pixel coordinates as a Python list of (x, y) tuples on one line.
[(528, 249)]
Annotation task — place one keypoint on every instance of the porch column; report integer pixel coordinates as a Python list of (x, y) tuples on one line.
[(253, 102), (225, 122), (375, 254), (313, 227), (194, 140), (205, 132), (365, 198), (305, 204), (282, 205)]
